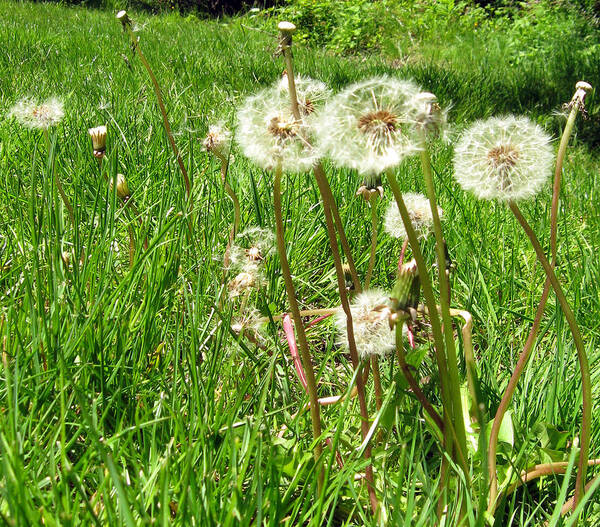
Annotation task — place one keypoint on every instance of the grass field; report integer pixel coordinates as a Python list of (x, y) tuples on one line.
[(125, 396)]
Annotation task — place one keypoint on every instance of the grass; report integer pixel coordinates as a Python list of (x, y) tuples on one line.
[(124, 400)]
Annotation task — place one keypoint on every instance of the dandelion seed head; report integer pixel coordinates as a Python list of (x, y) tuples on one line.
[(426, 114), (245, 281), (419, 210), (370, 318), (505, 158), (271, 136), (367, 126), (218, 140), (311, 93), (251, 247), (38, 115)]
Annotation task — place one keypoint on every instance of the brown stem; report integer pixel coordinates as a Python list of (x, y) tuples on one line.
[(131, 246), (584, 367), (163, 111), (531, 338), (570, 504), (373, 201)]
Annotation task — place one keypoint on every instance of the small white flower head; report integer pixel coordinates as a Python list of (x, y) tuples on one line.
[(427, 115), (368, 126), (371, 321), (271, 136), (419, 211), (98, 136), (218, 140), (251, 325), (311, 93), (251, 247), (42, 116), (505, 158)]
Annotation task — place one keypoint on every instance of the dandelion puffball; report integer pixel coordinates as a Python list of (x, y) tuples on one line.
[(419, 210), (506, 158), (218, 140), (370, 319), (271, 136), (38, 115), (369, 126)]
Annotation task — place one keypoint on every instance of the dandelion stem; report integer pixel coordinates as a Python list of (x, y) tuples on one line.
[(454, 380), (412, 382), (586, 385), (58, 184), (373, 201), (131, 245), (433, 314), (291, 294), (163, 111), (531, 338)]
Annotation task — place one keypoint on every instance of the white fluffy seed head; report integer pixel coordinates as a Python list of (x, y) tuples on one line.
[(251, 247), (251, 277), (271, 136), (32, 114), (427, 115), (368, 126), (505, 158), (419, 211), (217, 140), (370, 319), (311, 94)]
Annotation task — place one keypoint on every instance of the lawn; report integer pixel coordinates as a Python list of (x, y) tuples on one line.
[(127, 398)]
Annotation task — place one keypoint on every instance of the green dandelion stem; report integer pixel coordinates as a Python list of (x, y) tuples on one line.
[(586, 385), (454, 380), (291, 294), (374, 222)]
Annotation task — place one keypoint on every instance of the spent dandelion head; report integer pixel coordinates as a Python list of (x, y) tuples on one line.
[(311, 93), (426, 114), (370, 318), (218, 140), (243, 283), (42, 116), (271, 136), (251, 247), (368, 126), (505, 158), (419, 210)]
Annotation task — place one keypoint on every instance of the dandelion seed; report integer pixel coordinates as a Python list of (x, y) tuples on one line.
[(370, 318), (34, 115), (251, 247), (507, 158), (368, 126), (271, 136), (218, 140), (419, 210)]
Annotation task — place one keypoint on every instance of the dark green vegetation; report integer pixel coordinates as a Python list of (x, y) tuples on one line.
[(125, 398)]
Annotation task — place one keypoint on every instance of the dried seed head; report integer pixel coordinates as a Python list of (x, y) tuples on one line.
[(218, 140), (38, 115), (419, 211)]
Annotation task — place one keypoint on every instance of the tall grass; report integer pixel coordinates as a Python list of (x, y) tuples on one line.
[(124, 399)]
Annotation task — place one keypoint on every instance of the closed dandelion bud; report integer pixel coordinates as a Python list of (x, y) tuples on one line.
[(66, 259), (98, 136), (405, 294), (122, 187), (348, 277), (370, 187)]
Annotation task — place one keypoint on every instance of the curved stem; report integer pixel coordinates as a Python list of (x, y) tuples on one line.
[(163, 112), (412, 382), (291, 294), (584, 367), (531, 338), (402, 253), (454, 378)]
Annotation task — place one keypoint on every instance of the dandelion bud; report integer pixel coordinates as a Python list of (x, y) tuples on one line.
[(348, 277), (370, 187), (122, 187), (406, 290), (66, 259), (98, 136), (124, 18)]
